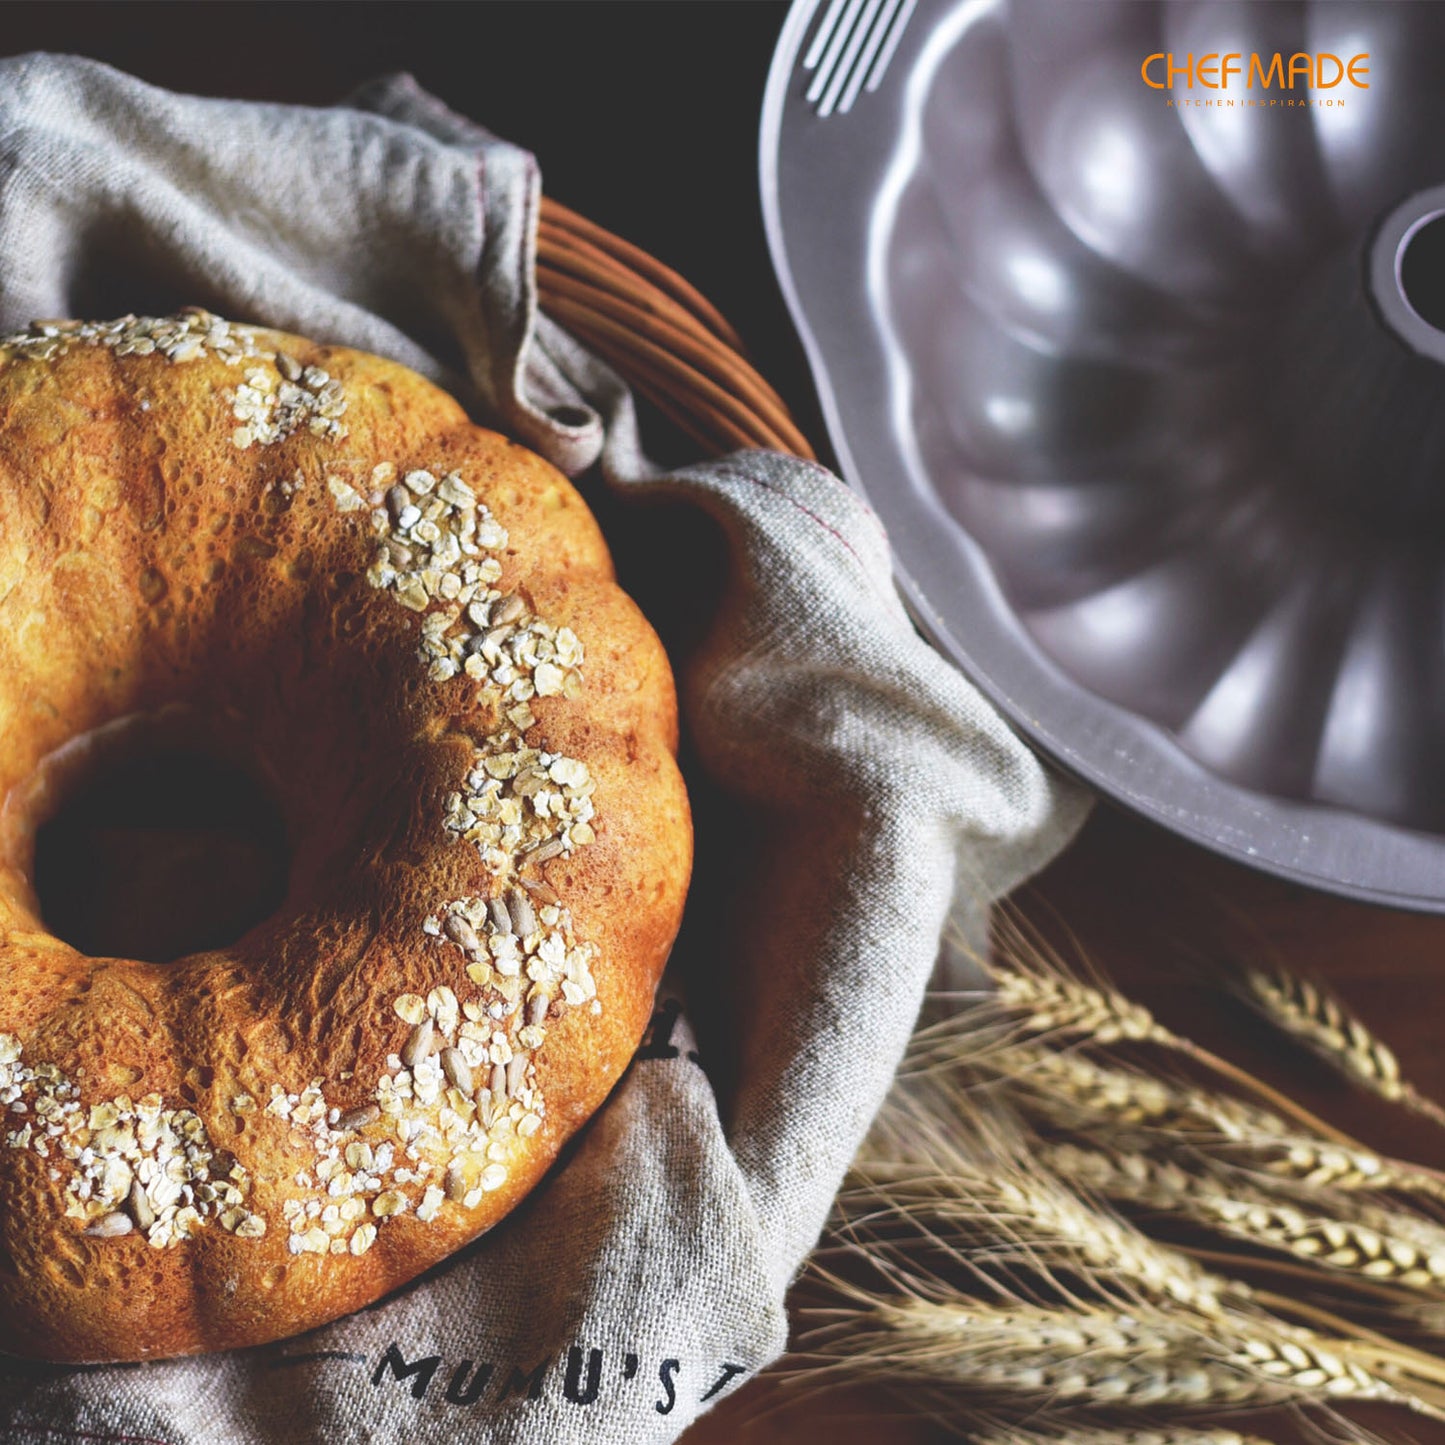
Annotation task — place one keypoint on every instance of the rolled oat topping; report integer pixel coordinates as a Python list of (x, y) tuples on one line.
[(461, 1090), (277, 397), (188, 336), (134, 1163)]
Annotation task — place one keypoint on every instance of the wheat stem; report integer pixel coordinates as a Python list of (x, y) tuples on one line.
[(1280, 1102), (1003, 1216), (922, 1162)]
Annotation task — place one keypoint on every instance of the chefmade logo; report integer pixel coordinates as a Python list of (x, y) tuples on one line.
[(1233, 80)]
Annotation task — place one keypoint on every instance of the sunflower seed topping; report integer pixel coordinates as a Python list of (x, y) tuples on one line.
[(457, 1070), (451, 1137), (358, 1118), (187, 336), (461, 932), (137, 1160), (522, 913), (109, 1226), (419, 1044), (455, 1184), (140, 1206), (398, 500), (508, 610)]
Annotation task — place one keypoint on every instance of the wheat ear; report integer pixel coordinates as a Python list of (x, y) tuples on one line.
[(966, 1181), (1070, 1091), (1378, 1246), (1097, 1359), (1055, 1003), (1049, 1003), (1325, 1024)]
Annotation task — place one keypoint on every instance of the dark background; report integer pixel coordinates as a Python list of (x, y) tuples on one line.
[(643, 113)]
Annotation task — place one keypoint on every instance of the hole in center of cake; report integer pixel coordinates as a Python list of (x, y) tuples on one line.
[(156, 851)]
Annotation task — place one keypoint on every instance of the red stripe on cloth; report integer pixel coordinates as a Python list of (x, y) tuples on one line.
[(94, 1435)]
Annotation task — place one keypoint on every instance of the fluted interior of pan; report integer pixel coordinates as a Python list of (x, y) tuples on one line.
[(1163, 375)]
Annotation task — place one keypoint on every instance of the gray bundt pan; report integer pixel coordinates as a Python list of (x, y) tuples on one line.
[(1150, 399)]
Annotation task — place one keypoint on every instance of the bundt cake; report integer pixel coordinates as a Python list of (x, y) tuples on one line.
[(408, 628)]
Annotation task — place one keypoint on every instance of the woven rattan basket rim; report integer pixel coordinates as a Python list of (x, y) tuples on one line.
[(660, 334)]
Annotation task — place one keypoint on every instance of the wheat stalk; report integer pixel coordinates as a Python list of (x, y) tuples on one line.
[(1311, 1164), (1326, 1025), (1073, 1092), (1093, 1359), (976, 1211), (971, 1188), (1075, 1089), (1053, 1004), (969, 1183), (1063, 1355), (1046, 1228), (1379, 1246)]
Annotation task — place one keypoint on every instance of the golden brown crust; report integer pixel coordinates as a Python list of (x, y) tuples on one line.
[(149, 561)]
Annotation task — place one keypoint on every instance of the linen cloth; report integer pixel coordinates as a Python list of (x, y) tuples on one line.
[(851, 787)]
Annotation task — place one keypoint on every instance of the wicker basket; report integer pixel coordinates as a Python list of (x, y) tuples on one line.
[(658, 333)]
